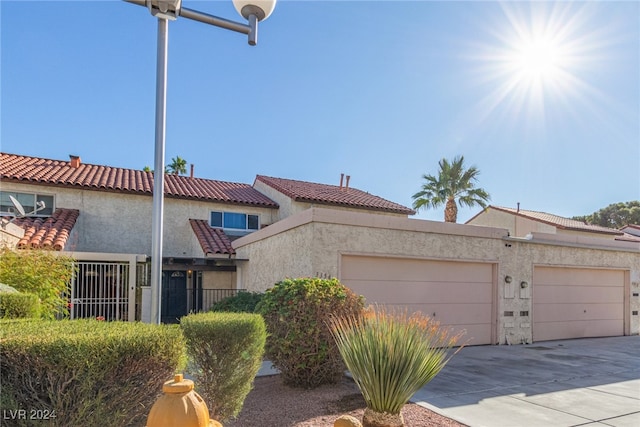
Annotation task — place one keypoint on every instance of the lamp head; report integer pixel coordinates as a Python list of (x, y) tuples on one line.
[(168, 9), (260, 8)]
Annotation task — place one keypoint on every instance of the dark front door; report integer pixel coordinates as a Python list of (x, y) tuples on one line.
[(174, 296)]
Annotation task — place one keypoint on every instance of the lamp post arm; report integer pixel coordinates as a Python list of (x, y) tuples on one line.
[(250, 29)]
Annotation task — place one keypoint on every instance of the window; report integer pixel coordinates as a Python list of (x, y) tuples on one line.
[(235, 221), (28, 202)]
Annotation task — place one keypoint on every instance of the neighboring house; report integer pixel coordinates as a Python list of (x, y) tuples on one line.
[(106, 210), (521, 277), (631, 230), (522, 223)]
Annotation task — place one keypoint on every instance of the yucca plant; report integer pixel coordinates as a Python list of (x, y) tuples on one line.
[(391, 355)]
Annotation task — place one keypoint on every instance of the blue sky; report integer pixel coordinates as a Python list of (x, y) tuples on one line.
[(543, 97)]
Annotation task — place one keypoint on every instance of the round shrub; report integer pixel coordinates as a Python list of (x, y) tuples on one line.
[(18, 305), (226, 352), (243, 302), (300, 344)]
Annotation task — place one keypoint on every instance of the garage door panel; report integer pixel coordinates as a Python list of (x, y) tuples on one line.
[(579, 329), (572, 302), (577, 312), (451, 314), (578, 294), (372, 268), (475, 330), (578, 277), (397, 292), (460, 293)]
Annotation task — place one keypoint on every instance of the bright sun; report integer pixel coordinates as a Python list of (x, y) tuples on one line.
[(537, 59), (534, 59)]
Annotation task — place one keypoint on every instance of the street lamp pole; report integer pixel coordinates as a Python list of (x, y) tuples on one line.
[(165, 10)]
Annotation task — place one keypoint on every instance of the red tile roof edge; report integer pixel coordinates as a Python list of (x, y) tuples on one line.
[(47, 233), (374, 203), (59, 173), (212, 240)]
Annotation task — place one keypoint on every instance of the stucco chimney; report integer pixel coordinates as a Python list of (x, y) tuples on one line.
[(191, 176), (347, 183), (341, 179), (74, 161)]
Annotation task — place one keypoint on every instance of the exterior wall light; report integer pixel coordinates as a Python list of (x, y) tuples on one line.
[(524, 285), (507, 279)]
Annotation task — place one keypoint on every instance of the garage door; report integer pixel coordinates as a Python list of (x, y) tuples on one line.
[(577, 303), (458, 294)]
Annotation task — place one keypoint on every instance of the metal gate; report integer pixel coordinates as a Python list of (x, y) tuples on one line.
[(101, 290)]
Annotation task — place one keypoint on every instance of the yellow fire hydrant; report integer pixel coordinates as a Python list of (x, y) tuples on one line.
[(180, 406)]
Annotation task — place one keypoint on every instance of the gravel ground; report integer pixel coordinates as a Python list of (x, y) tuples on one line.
[(271, 404)]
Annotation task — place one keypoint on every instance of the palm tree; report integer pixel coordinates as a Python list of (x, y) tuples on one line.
[(177, 166), (454, 184)]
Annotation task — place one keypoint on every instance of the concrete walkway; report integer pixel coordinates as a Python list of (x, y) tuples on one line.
[(584, 382)]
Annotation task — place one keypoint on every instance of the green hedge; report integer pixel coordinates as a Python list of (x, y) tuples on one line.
[(19, 305), (225, 351), (87, 372), (243, 302)]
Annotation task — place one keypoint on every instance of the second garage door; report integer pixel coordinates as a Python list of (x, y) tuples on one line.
[(458, 294), (577, 303)]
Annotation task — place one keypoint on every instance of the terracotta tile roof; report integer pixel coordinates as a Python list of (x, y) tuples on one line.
[(212, 240), (626, 237), (106, 178), (631, 229), (302, 191), (47, 233), (558, 221)]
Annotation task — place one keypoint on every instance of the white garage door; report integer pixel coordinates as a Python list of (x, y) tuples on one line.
[(458, 294), (577, 303)]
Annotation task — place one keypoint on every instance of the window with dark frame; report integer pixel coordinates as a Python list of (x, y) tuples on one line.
[(28, 201), (234, 221)]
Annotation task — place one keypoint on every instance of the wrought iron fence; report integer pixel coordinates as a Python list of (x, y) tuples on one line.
[(99, 290)]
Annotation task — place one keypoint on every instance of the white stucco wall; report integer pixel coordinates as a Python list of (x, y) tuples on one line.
[(218, 280), (312, 242), (121, 223)]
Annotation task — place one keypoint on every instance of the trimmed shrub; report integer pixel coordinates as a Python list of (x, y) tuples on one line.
[(38, 272), (243, 302), (391, 355), (87, 372), (225, 350), (300, 344), (18, 305)]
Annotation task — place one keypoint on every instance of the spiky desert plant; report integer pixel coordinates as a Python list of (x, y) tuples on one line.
[(391, 355)]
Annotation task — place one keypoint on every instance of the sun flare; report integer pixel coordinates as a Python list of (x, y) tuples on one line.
[(535, 57)]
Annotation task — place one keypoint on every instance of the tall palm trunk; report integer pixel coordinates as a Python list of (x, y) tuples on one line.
[(451, 210)]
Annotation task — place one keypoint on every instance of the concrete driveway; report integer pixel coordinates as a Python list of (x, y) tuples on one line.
[(584, 382)]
